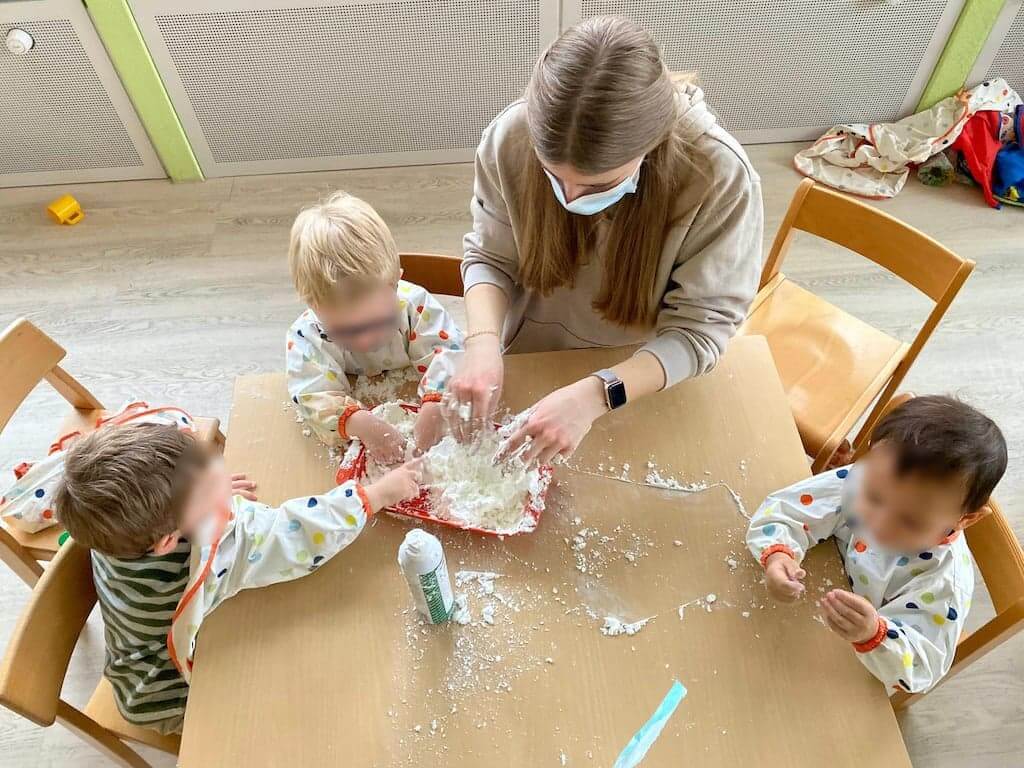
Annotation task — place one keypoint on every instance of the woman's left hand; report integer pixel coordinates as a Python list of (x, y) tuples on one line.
[(560, 421)]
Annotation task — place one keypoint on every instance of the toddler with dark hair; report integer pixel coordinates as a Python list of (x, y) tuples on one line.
[(897, 516)]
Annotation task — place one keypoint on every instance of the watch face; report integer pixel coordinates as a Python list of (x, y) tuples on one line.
[(616, 395)]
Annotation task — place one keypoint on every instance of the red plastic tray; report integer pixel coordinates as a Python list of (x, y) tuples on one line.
[(354, 468)]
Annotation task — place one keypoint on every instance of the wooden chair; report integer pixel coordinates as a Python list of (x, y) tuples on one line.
[(1001, 561), (27, 357), (832, 365), (437, 273), (37, 657)]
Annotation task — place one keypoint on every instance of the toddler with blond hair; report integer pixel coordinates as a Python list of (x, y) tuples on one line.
[(362, 319)]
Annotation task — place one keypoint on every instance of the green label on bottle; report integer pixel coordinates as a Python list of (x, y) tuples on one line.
[(434, 597)]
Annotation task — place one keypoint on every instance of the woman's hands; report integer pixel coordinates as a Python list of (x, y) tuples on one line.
[(560, 421), (479, 380), (243, 486), (429, 426)]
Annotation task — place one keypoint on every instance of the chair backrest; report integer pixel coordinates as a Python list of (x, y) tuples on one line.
[(437, 273), (999, 557), (27, 357), (900, 248), (38, 653)]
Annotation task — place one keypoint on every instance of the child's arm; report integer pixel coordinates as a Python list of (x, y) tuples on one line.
[(317, 385), (788, 523), (267, 545), (917, 631), (433, 337)]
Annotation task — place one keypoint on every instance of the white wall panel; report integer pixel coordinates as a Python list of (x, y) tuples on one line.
[(779, 70), (65, 116), (265, 86)]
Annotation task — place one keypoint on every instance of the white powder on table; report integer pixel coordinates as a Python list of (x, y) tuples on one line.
[(613, 627)]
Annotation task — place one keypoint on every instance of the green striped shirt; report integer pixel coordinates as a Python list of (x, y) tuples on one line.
[(137, 600)]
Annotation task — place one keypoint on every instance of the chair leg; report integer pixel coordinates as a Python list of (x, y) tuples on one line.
[(18, 559), (99, 737)]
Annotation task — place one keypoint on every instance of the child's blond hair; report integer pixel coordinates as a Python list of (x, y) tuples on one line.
[(338, 246)]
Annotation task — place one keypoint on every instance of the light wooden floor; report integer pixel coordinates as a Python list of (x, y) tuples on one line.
[(169, 291)]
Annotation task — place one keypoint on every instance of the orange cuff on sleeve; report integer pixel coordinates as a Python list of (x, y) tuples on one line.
[(431, 397), (773, 549), (343, 419), (366, 501), (875, 640)]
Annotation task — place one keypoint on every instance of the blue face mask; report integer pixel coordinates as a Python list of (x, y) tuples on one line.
[(588, 205)]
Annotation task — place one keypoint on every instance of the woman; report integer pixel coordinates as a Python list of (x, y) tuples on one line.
[(609, 209)]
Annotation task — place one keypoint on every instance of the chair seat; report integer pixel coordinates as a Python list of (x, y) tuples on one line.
[(103, 710), (832, 365), (43, 545)]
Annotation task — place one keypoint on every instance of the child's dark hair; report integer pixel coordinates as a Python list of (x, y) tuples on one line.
[(124, 487), (941, 437)]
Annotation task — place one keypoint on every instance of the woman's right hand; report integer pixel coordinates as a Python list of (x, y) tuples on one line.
[(478, 381)]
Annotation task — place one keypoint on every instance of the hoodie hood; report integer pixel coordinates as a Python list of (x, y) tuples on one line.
[(695, 119)]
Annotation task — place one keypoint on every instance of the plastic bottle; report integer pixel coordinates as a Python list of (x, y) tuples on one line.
[(421, 559)]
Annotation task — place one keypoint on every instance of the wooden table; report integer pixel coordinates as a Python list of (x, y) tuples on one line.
[(336, 669)]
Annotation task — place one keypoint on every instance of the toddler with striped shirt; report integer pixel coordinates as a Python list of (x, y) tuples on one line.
[(173, 535), (897, 516)]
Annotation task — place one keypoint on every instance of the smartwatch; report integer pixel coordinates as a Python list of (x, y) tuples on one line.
[(614, 389)]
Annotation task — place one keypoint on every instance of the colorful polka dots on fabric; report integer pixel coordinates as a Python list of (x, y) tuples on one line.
[(302, 555), (863, 579), (318, 559), (412, 335), (913, 606), (927, 598), (769, 530), (903, 684), (916, 571), (842, 473), (908, 660), (255, 557), (40, 493), (926, 555), (312, 502), (903, 561), (62, 538), (806, 499), (350, 521), (938, 619), (318, 538), (48, 514), (892, 634), (443, 335), (860, 546), (951, 614), (294, 525), (348, 493)]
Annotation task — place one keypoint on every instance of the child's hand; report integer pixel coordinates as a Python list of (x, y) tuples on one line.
[(243, 486), (429, 426), (382, 440), (783, 575), (400, 484), (850, 616)]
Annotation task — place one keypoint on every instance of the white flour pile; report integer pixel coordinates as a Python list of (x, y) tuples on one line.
[(465, 484), (467, 487)]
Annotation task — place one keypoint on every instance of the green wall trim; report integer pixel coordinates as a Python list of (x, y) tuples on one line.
[(120, 34), (961, 52)]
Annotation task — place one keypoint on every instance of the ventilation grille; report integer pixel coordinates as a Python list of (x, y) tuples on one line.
[(362, 79), (775, 68), (57, 114), (1009, 60)]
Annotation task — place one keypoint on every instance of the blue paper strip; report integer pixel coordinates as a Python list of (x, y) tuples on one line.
[(643, 739)]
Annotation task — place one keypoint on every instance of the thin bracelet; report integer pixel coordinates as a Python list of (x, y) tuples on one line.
[(479, 333)]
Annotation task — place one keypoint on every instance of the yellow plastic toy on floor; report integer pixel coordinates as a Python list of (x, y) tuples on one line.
[(65, 210)]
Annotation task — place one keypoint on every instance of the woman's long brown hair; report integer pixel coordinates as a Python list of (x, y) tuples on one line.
[(599, 97)]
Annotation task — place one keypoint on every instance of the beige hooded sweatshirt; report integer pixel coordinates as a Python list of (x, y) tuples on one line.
[(711, 256)]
